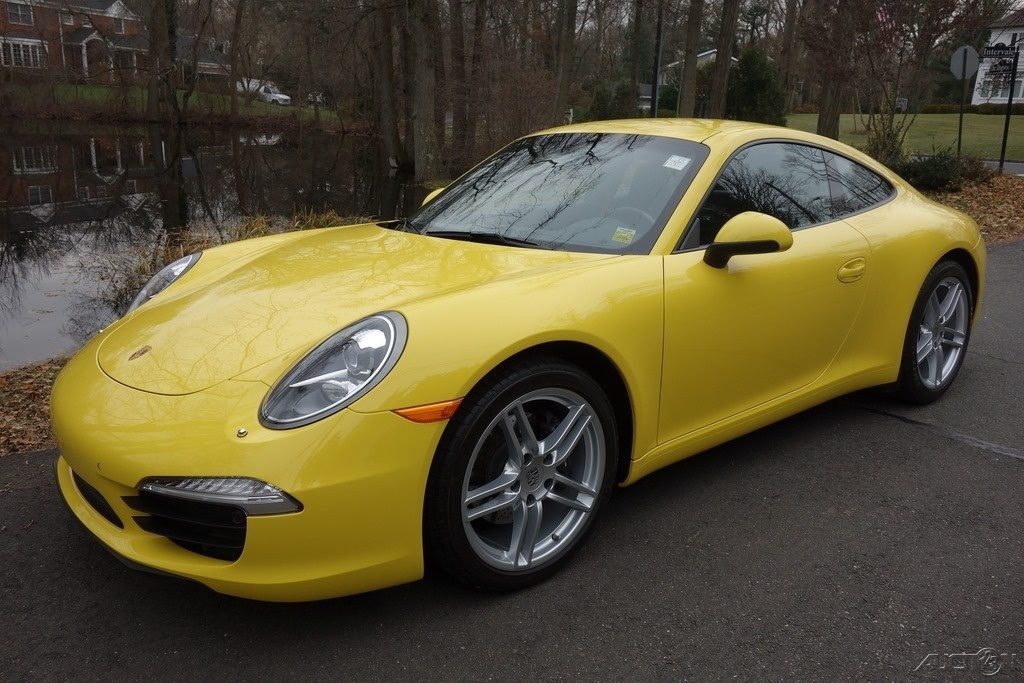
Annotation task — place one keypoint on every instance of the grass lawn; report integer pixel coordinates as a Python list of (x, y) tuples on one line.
[(982, 133), (134, 98)]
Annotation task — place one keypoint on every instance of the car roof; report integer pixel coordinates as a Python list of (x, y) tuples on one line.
[(695, 130), (717, 133)]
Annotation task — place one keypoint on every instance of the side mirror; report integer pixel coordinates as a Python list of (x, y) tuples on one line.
[(430, 196), (748, 233)]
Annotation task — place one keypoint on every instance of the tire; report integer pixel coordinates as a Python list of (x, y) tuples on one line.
[(531, 498), (918, 382)]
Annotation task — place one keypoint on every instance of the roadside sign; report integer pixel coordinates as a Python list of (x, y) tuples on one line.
[(1003, 66), (964, 62), (998, 52), (1011, 75)]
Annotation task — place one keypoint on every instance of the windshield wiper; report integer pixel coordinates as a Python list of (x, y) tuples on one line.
[(485, 238), (400, 224)]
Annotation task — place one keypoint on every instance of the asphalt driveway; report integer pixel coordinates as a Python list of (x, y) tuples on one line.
[(851, 541)]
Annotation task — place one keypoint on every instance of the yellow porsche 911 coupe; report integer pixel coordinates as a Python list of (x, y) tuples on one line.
[(322, 413)]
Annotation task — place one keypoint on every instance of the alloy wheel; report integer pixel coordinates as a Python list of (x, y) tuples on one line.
[(533, 479), (943, 333)]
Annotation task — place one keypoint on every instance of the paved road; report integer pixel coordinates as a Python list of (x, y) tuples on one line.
[(1009, 167), (850, 541)]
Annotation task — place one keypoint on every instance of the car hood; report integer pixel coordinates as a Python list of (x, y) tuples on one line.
[(215, 325)]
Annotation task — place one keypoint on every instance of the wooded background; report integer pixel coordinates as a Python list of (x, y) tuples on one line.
[(442, 82)]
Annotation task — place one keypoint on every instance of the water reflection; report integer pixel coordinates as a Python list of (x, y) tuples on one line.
[(74, 199)]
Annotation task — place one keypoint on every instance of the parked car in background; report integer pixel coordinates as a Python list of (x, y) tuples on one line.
[(265, 91)]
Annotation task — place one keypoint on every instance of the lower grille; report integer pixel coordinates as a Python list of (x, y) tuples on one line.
[(97, 501), (209, 529)]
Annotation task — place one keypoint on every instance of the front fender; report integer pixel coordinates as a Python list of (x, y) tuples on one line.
[(615, 306)]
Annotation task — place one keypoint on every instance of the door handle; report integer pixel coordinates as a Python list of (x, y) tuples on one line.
[(852, 270)]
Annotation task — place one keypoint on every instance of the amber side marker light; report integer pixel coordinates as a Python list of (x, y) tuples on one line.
[(432, 412)]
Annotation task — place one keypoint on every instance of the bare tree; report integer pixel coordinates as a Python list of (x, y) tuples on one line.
[(788, 48), (723, 58), (566, 53), (460, 84), (898, 40), (384, 70), (427, 157), (236, 40), (829, 34), (475, 78), (688, 82)]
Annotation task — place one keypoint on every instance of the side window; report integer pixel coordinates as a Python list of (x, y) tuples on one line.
[(784, 180), (854, 188)]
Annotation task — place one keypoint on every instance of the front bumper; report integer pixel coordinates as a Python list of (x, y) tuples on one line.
[(360, 478)]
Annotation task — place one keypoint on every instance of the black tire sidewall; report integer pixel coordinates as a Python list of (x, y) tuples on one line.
[(446, 545), (910, 387)]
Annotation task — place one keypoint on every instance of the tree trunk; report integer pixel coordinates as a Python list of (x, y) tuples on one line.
[(830, 106), (236, 166), (565, 55), (308, 87), (408, 56), (635, 50), (427, 160), (170, 45), (157, 41), (688, 80), (476, 66), (382, 53), (457, 155), (433, 23), (236, 37), (723, 59), (787, 56)]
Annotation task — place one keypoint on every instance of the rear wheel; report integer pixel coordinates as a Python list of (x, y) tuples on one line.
[(936, 341), (520, 475)]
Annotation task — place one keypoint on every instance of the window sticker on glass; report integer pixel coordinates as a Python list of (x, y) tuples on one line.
[(623, 235), (676, 162)]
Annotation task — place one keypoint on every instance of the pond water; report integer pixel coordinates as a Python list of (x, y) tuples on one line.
[(75, 197)]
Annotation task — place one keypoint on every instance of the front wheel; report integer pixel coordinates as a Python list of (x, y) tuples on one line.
[(936, 341), (520, 475)]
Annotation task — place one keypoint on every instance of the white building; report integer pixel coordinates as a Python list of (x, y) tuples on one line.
[(670, 74), (1008, 31)]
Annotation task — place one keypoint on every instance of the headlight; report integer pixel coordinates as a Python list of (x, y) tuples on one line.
[(162, 279), (252, 495), (337, 372)]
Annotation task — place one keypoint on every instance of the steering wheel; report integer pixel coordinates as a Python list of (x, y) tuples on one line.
[(636, 217)]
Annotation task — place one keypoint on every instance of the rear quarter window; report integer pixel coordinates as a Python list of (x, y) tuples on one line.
[(853, 187)]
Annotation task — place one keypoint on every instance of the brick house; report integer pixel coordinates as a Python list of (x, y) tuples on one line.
[(65, 180), (99, 40)]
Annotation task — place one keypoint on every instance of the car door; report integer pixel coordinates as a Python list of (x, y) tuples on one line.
[(765, 325)]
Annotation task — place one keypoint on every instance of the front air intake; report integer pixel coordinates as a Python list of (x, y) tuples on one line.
[(210, 529)]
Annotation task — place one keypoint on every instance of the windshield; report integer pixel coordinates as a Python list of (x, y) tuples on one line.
[(597, 192)]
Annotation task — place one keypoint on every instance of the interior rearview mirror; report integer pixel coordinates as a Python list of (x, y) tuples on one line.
[(430, 196), (750, 232)]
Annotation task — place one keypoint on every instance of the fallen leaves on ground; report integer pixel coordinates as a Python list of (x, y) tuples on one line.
[(997, 204), (25, 406)]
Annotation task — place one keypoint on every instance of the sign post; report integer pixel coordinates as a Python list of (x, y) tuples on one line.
[(964, 64), (1009, 57), (1009, 110)]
